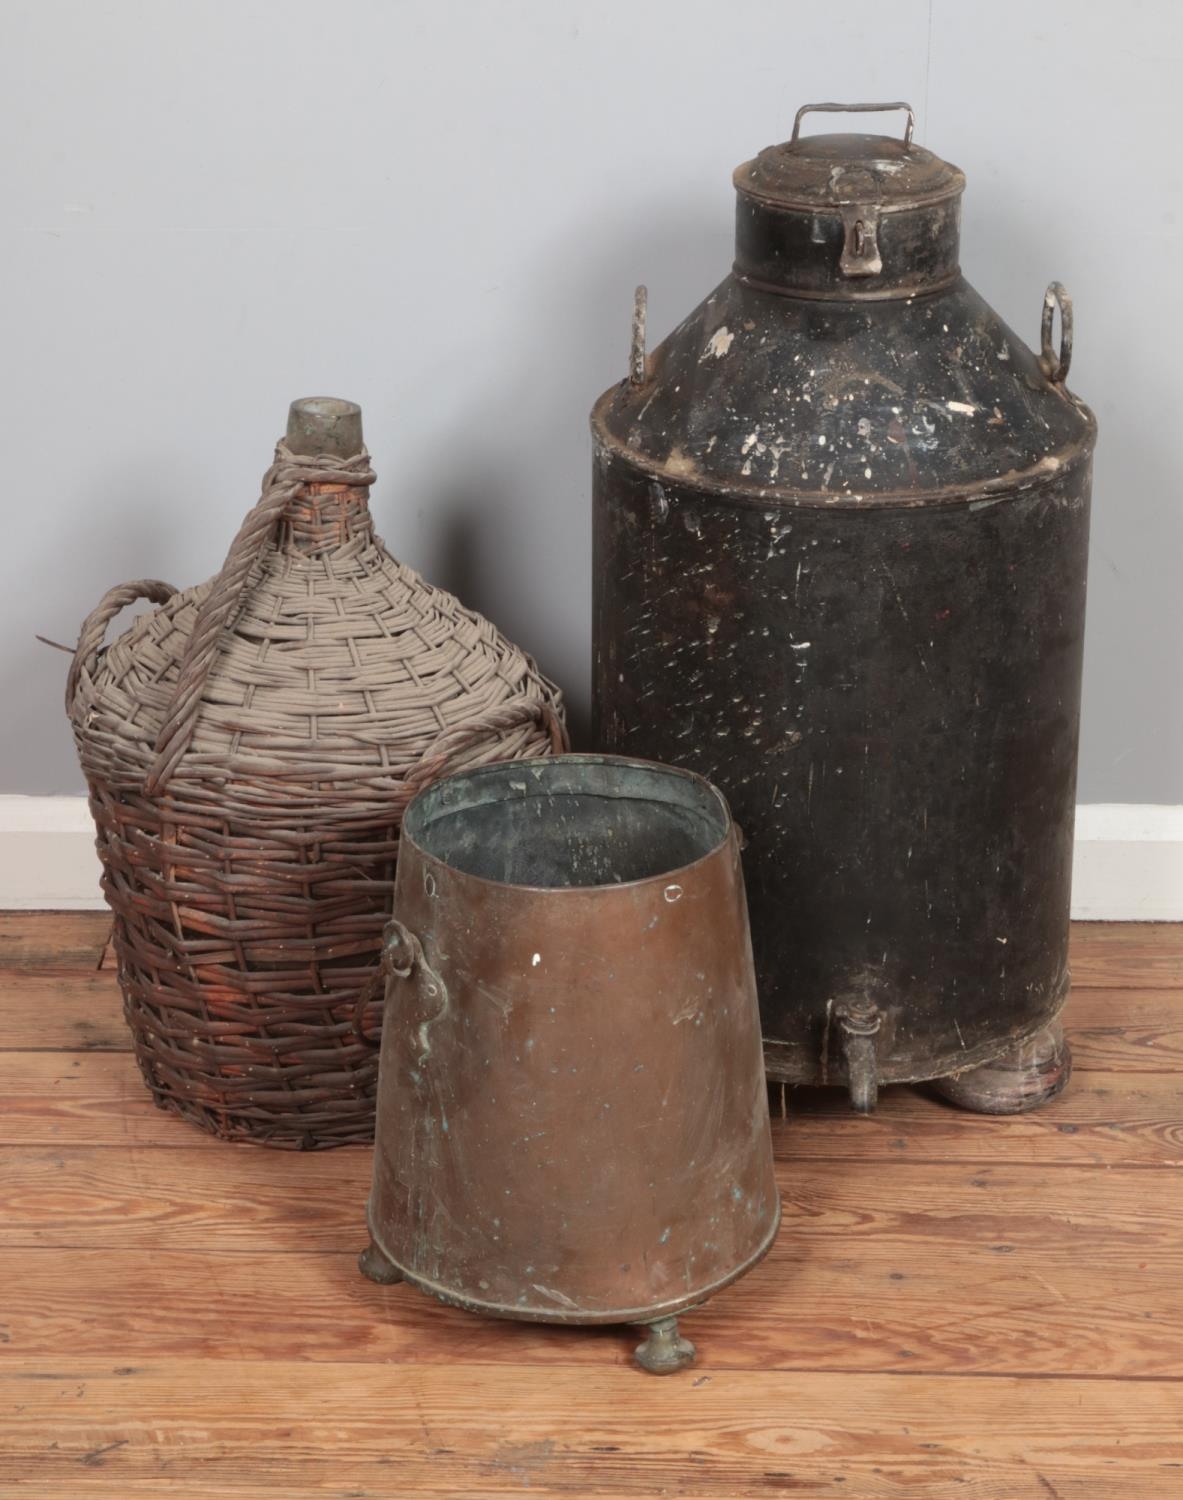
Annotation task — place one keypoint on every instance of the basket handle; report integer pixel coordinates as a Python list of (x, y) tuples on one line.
[(506, 716), (434, 762), (289, 474), (94, 628)]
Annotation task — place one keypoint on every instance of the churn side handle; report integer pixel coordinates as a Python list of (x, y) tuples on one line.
[(856, 109), (638, 365), (1055, 366), (94, 627)]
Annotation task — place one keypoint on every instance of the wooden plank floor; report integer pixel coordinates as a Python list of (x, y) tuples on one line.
[(956, 1306)]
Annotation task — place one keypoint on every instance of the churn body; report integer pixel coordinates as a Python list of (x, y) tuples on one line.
[(841, 527)]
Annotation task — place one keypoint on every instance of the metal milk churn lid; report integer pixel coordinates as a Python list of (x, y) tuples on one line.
[(841, 527), (848, 216)]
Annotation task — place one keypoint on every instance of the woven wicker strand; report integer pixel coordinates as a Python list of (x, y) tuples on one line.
[(281, 484), (249, 747)]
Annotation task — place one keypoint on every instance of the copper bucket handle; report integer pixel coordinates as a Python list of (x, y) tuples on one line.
[(401, 950), (402, 957), (434, 763), (396, 939)]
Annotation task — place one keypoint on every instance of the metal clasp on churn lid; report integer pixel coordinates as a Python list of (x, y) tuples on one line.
[(860, 221), (860, 245)]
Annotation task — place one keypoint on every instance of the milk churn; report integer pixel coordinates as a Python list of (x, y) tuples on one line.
[(572, 1116), (841, 529)]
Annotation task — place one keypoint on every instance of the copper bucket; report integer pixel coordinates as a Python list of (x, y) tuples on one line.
[(572, 1115)]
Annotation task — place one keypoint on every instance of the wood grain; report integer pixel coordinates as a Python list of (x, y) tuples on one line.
[(1116, 1119), (253, 1201), (1119, 1118), (1133, 1031), (975, 1485), (956, 1306), (883, 1306), (434, 1429), (40, 1010), (60, 941), (1126, 955)]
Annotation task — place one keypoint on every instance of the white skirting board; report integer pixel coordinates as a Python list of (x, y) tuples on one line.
[(1128, 865)]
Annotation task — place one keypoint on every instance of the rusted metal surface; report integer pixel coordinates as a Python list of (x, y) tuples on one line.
[(841, 537), (572, 1117), (636, 359), (848, 217), (1026, 1075)]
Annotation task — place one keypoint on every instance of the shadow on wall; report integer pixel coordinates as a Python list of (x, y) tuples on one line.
[(505, 497), (506, 505), (1134, 620), (509, 512), (35, 674)]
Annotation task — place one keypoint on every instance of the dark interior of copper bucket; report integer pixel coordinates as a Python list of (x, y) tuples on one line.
[(568, 821)]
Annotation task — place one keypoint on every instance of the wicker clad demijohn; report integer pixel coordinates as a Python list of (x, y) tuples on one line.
[(249, 747)]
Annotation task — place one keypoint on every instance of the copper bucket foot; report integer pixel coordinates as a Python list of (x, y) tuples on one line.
[(372, 1263), (1019, 1079), (664, 1351)]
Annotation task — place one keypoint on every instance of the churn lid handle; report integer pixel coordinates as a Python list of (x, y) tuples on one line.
[(857, 109)]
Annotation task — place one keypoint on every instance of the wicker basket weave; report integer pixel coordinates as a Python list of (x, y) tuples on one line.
[(249, 748)]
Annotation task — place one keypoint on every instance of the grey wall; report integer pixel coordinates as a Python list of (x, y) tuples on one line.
[(440, 210)]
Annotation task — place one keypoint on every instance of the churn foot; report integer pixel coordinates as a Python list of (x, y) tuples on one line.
[(664, 1352), (372, 1263), (1023, 1078)]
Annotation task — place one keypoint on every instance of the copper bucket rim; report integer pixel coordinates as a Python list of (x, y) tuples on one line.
[(547, 765)]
